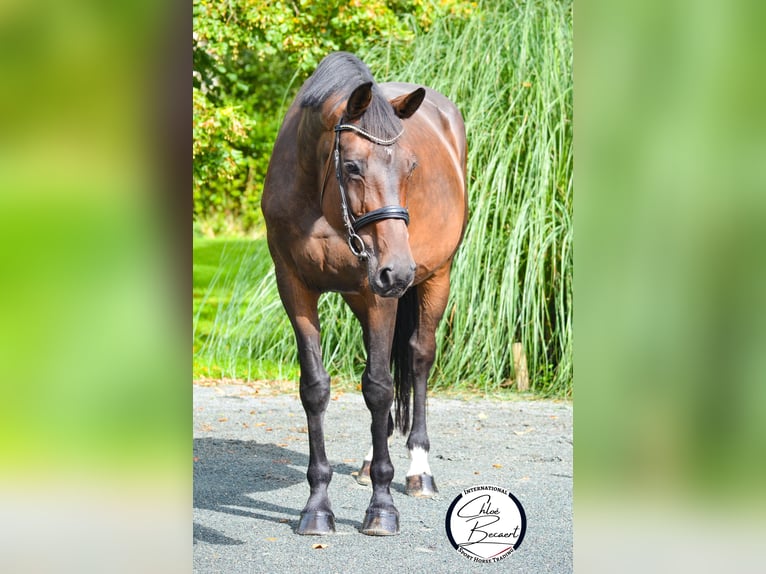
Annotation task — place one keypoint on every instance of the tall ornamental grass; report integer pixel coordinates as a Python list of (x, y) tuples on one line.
[(509, 69)]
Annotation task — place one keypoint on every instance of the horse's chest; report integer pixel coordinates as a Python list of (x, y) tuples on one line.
[(324, 264)]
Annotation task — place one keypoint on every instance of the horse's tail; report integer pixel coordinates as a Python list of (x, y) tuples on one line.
[(401, 356)]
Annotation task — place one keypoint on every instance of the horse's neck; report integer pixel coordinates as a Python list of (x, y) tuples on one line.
[(310, 129)]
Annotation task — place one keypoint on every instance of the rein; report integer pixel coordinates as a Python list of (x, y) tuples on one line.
[(354, 224)]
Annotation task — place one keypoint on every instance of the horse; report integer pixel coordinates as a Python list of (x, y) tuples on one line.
[(365, 195)]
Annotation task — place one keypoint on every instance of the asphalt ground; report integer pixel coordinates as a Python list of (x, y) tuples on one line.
[(250, 459)]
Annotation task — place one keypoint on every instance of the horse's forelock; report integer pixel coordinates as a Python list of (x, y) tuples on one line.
[(379, 119)]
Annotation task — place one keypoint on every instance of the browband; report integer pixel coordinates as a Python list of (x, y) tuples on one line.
[(368, 135)]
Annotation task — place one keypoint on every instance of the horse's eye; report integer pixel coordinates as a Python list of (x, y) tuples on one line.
[(352, 168)]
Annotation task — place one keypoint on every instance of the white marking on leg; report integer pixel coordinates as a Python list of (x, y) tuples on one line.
[(368, 458), (418, 462)]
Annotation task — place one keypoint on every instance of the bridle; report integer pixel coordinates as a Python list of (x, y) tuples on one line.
[(354, 224)]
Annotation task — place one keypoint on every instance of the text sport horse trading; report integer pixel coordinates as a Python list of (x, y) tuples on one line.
[(366, 195)]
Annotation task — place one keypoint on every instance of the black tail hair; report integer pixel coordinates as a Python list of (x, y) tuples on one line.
[(401, 356)]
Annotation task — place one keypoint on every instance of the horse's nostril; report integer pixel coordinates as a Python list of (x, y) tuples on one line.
[(386, 277), (392, 281)]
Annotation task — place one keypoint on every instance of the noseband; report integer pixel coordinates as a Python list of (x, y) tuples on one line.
[(354, 224)]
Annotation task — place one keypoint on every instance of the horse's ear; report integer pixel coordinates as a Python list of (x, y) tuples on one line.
[(407, 104), (358, 101)]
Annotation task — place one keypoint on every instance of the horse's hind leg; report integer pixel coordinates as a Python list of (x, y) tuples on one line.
[(432, 301), (301, 305)]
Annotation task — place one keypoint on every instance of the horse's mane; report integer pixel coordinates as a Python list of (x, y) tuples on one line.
[(339, 74)]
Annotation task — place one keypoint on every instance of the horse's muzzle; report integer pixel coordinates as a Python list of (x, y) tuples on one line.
[(392, 280)]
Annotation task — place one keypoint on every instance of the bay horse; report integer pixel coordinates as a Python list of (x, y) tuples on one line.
[(365, 195)]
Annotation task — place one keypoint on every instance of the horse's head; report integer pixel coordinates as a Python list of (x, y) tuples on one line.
[(373, 173)]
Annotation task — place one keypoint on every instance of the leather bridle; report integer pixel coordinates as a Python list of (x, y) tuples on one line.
[(354, 224)]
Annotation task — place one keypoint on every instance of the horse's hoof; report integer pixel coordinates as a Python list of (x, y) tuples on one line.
[(380, 523), (363, 476), (421, 486), (316, 522)]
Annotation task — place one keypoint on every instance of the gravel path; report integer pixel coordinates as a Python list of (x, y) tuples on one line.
[(250, 458)]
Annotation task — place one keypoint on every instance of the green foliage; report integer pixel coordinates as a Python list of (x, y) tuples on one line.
[(250, 57), (218, 161), (512, 277)]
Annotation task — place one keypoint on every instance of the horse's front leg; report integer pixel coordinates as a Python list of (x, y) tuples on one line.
[(381, 518), (317, 516), (301, 305), (363, 476)]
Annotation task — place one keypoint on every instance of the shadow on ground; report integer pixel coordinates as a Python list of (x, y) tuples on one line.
[(228, 472)]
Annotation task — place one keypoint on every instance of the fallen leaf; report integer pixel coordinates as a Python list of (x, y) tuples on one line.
[(349, 460), (282, 444), (284, 520), (497, 466), (223, 419), (207, 427), (245, 425), (271, 539), (252, 412), (260, 424), (476, 472), (196, 459), (519, 433), (268, 429), (319, 546)]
